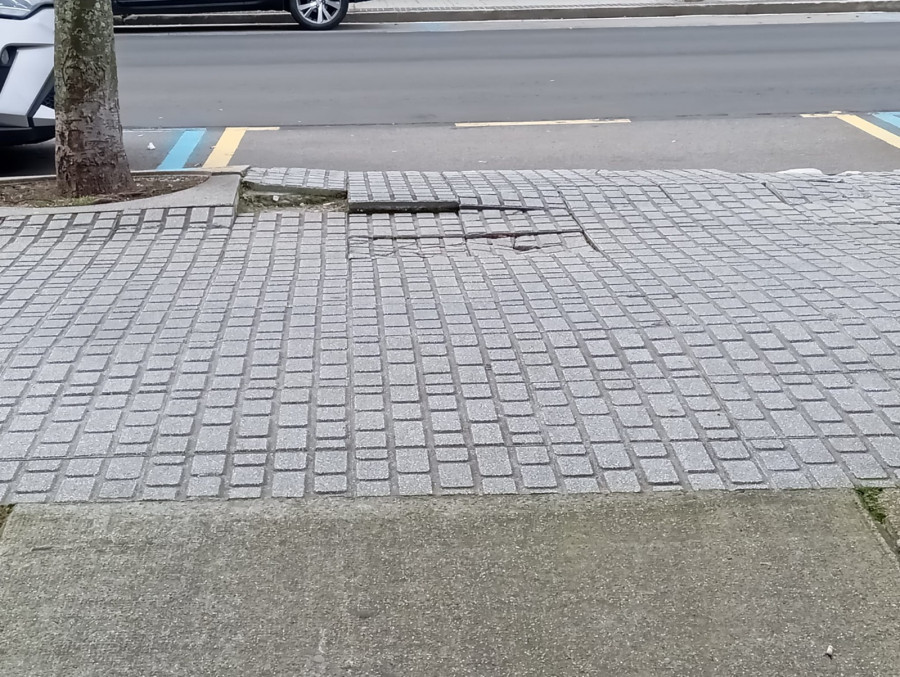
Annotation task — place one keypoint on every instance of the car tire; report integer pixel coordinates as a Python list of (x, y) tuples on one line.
[(318, 15)]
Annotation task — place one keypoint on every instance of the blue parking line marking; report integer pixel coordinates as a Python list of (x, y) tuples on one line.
[(181, 152), (893, 119)]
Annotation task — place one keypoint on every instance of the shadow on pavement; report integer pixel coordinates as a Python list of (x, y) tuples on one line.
[(27, 160)]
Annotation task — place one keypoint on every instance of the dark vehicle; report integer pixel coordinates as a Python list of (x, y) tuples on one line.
[(314, 15)]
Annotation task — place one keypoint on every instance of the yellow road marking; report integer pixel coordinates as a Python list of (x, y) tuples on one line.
[(532, 123), (228, 144), (870, 129)]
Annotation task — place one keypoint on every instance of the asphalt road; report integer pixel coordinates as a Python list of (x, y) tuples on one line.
[(357, 77), (724, 92)]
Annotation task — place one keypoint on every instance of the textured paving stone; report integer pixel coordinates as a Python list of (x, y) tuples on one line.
[(564, 331)]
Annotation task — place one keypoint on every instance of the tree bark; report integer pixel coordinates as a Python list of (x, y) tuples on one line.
[(90, 154)]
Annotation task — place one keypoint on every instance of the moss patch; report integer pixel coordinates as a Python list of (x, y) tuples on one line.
[(4, 513), (869, 497), (253, 201)]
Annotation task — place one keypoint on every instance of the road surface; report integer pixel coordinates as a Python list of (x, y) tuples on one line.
[(724, 96)]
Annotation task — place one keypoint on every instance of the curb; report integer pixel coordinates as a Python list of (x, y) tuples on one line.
[(220, 189), (686, 8)]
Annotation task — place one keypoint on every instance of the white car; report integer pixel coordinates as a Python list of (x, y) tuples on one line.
[(26, 71)]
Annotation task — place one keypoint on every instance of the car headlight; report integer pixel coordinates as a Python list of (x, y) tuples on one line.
[(19, 9)]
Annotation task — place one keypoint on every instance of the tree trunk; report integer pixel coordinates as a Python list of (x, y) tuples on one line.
[(90, 154)]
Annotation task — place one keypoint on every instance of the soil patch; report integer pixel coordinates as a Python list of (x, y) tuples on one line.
[(42, 193)]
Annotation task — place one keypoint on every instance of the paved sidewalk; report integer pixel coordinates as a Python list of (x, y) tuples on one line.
[(743, 584), (563, 331)]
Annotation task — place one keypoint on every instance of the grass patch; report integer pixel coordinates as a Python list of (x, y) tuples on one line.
[(869, 497)]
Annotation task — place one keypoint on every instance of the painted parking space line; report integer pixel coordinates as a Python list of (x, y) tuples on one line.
[(870, 128), (537, 123), (180, 153), (228, 144), (892, 119)]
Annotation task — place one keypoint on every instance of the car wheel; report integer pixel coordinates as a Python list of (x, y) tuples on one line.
[(318, 15)]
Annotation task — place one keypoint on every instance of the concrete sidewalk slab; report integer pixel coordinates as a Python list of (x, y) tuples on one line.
[(711, 584)]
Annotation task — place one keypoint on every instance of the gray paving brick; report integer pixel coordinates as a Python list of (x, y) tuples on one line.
[(117, 488), (414, 485), (812, 451), (213, 417), (288, 484), (581, 485), (208, 464), (742, 472), (412, 460), (8, 470), (622, 481), (888, 449), (730, 450), (486, 434), (330, 462), (243, 476), (864, 466), (125, 468), (538, 477), (611, 456), (75, 489), (792, 424), (200, 487), (254, 426), (777, 459), (83, 467), (679, 429), (693, 457), (164, 476), (455, 475), (159, 493), (36, 482), (498, 485), (372, 470), (212, 439), (291, 439), (373, 488), (532, 455), (243, 492), (290, 460), (659, 471), (705, 481), (790, 480), (103, 421), (829, 476), (409, 434), (330, 484), (574, 466), (493, 462)]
